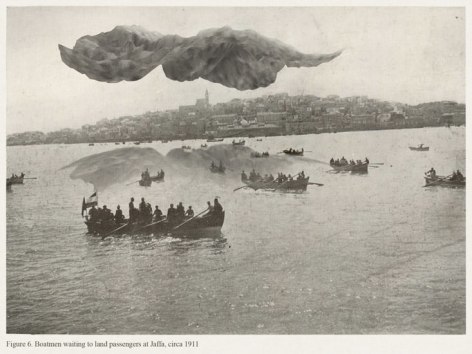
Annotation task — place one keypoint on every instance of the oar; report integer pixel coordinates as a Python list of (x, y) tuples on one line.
[(234, 190), (436, 181), (318, 184), (175, 228), (377, 163), (119, 228), (30, 177), (133, 182), (277, 187), (151, 224)]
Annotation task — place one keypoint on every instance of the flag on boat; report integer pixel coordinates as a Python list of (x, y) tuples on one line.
[(91, 201)]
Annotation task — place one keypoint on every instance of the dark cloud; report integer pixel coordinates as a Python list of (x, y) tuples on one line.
[(243, 60)]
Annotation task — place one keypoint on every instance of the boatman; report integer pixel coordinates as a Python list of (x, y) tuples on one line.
[(171, 214), (157, 214), (132, 213), (93, 213), (218, 208), (119, 217), (210, 208), (189, 212), (142, 206)]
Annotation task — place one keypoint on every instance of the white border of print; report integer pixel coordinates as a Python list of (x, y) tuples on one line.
[(430, 344)]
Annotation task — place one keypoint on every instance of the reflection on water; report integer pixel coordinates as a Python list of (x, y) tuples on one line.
[(371, 253)]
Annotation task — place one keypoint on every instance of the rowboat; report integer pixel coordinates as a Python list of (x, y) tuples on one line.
[(203, 145), (239, 143), (16, 179), (218, 169), (294, 152), (297, 185), (214, 140), (258, 154), (157, 178), (357, 168), (145, 182), (186, 147), (444, 182), (91, 144), (205, 225), (419, 148)]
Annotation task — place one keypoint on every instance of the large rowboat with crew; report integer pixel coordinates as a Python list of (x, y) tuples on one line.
[(206, 225)]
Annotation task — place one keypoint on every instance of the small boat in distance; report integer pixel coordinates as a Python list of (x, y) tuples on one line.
[(217, 169), (159, 177), (342, 165), (186, 147), (91, 144), (14, 179), (294, 152), (420, 147), (240, 142), (137, 142), (204, 145), (214, 140), (258, 154)]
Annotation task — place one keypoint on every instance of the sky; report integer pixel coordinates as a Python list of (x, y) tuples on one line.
[(403, 54)]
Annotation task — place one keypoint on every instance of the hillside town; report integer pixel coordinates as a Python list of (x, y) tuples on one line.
[(269, 115)]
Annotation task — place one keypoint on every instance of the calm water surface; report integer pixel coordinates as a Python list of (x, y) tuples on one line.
[(363, 254)]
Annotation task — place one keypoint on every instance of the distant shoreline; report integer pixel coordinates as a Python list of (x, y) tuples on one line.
[(147, 140)]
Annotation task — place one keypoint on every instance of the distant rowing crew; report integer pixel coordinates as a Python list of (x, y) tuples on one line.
[(352, 166), (456, 179), (297, 183), (147, 179)]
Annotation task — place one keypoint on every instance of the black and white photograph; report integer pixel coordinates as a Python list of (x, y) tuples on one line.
[(239, 170)]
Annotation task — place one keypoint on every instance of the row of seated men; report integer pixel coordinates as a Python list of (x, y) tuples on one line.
[(144, 214), (344, 162), (281, 177)]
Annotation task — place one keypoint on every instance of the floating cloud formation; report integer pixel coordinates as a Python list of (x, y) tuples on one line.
[(244, 60)]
